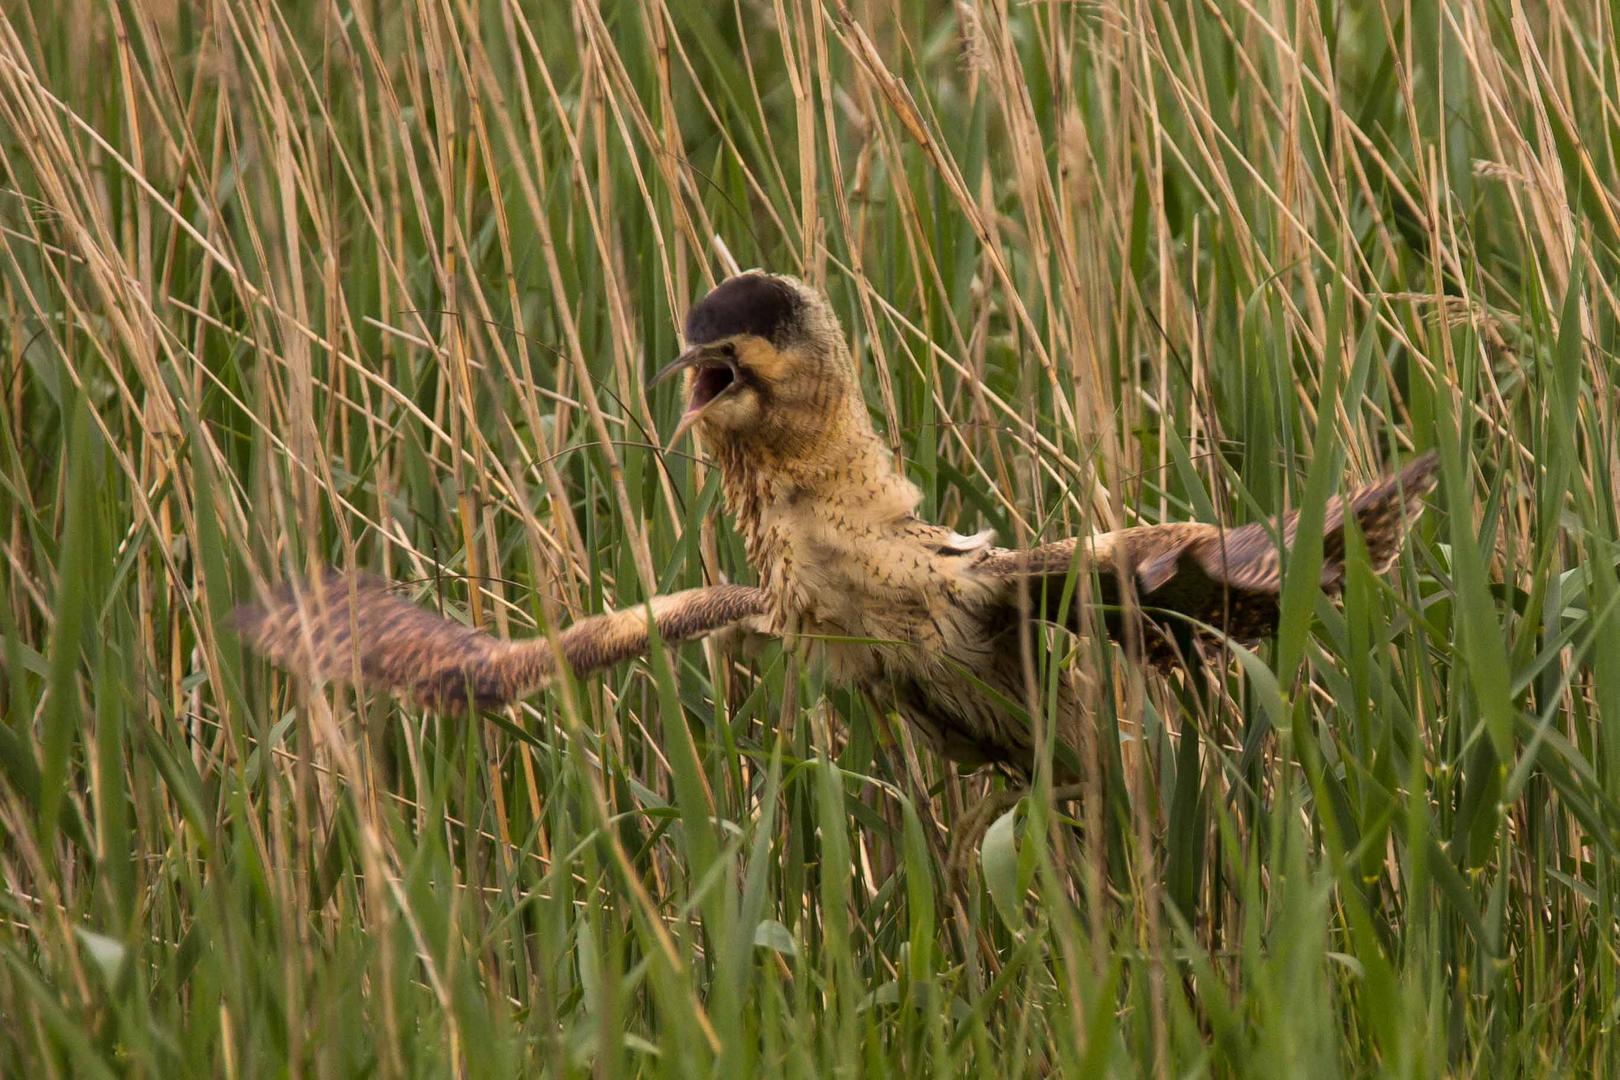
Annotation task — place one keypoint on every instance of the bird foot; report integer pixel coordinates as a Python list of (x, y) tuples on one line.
[(969, 832)]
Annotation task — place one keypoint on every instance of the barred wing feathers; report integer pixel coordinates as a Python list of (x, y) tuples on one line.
[(1230, 579), (328, 627)]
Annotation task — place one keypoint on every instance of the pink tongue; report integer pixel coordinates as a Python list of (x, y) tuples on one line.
[(708, 384)]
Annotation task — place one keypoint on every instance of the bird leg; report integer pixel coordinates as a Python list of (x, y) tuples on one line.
[(969, 832)]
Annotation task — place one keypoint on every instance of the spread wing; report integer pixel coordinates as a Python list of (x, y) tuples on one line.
[(333, 625), (1227, 578)]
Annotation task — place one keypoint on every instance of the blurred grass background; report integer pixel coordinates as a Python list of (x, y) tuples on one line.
[(378, 285)]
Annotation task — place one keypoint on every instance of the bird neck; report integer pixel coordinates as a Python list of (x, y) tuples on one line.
[(774, 491)]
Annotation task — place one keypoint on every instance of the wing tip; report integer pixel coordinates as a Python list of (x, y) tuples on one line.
[(246, 621), (303, 625), (1385, 510), (1419, 476), (308, 594)]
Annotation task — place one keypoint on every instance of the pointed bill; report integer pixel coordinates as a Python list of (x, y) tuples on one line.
[(690, 358), (715, 368), (688, 418)]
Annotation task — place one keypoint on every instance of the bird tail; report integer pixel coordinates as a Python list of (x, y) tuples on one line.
[(352, 628)]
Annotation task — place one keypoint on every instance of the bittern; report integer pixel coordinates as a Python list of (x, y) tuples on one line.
[(926, 621)]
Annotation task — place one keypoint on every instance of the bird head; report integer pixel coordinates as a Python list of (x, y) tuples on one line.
[(766, 365)]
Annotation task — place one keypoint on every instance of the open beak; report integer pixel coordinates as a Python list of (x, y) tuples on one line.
[(714, 372)]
